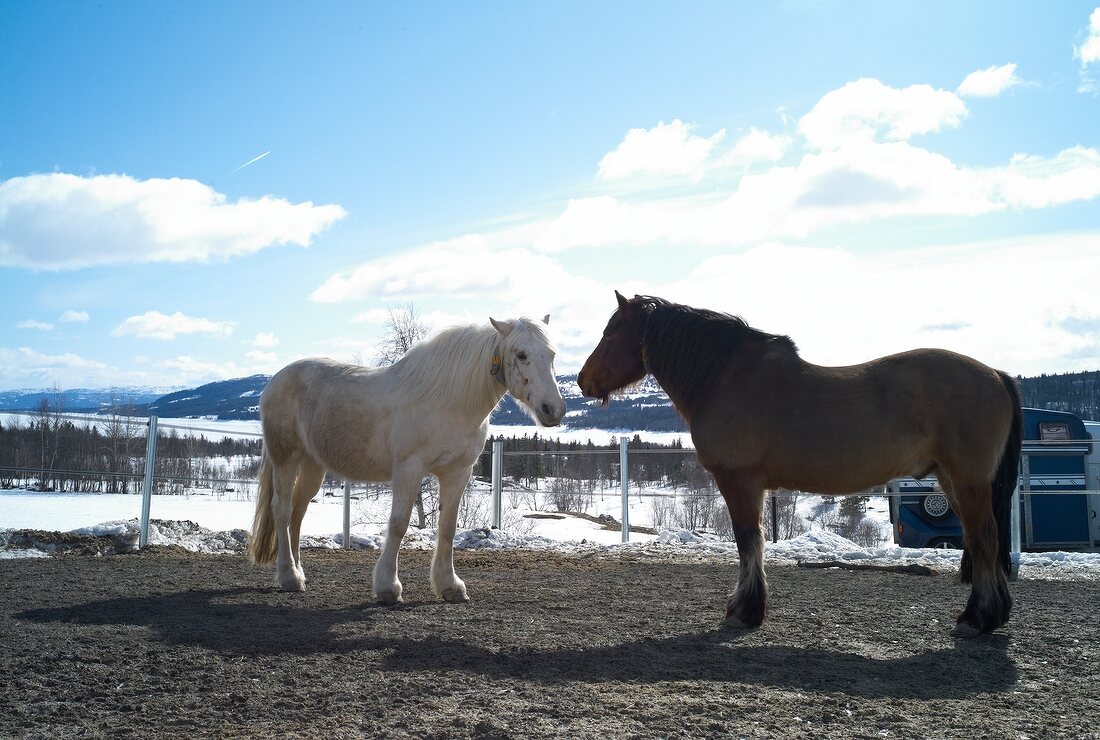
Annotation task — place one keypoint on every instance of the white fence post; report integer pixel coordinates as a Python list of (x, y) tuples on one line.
[(347, 514), (624, 478), (147, 491), (1023, 481), (498, 481)]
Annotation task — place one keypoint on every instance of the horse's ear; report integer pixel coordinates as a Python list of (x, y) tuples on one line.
[(503, 327), (546, 319), (622, 301)]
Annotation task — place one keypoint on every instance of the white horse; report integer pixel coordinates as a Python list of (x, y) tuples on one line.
[(428, 413)]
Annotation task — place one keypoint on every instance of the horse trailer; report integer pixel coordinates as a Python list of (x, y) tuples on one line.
[(1058, 459)]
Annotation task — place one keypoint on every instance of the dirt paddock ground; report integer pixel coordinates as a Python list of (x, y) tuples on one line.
[(171, 644)]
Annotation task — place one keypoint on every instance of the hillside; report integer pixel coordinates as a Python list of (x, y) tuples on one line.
[(644, 408), (79, 400), (1078, 393)]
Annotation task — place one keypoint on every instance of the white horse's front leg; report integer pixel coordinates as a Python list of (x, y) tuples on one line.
[(445, 582), (406, 484)]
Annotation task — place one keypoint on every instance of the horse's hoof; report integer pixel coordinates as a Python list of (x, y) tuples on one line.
[(455, 596), (292, 582), (389, 599), (965, 630), (734, 623)]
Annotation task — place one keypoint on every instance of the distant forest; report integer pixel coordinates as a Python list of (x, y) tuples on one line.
[(55, 454), (109, 456), (1078, 393)]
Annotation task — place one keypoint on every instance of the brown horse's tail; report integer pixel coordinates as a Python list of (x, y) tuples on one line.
[(262, 544), (1008, 473)]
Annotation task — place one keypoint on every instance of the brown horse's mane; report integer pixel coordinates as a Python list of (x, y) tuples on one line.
[(686, 348)]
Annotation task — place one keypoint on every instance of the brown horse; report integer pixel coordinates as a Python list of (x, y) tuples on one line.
[(761, 417)]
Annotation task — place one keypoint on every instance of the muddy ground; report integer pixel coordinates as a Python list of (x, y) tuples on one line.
[(170, 644)]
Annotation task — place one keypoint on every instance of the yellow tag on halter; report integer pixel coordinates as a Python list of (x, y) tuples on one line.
[(497, 370)]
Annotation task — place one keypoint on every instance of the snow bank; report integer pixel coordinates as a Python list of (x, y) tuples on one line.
[(121, 536)]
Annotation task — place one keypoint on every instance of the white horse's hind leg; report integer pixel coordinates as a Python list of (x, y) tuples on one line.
[(445, 582), (287, 573), (310, 475), (406, 483)]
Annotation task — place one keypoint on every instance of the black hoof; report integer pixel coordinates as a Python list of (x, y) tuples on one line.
[(744, 613)]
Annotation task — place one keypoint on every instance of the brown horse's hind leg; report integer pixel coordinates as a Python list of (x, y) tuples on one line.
[(990, 603), (745, 500)]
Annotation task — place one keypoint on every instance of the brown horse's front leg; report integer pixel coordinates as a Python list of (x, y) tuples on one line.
[(744, 497)]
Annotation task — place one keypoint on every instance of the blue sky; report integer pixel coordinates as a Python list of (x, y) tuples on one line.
[(865, 177)]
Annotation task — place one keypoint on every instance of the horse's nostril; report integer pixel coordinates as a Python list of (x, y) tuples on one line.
[(546, 409)]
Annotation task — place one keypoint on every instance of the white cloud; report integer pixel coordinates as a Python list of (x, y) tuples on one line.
[(666, 149), (34, 324), (989, 82), (857, 183), (1037, 182), (265, 340), (156, 325), (28, 368), (671, 150), (264, 358), (371, 316), (842, 307), (851, 308), (866, 110), (63, 221), (1089, 51), (78, 317), (756, 146), (468, 265), (190, 370), (857, 164)]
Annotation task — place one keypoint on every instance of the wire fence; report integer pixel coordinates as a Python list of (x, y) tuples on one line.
[(514, 474)]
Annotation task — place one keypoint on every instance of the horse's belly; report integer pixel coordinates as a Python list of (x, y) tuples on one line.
[(840, 473), (358, 453)]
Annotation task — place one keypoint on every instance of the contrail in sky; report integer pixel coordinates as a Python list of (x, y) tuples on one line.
[(251, 161)]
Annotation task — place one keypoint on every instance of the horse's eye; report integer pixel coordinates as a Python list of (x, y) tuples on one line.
[(521, 356)]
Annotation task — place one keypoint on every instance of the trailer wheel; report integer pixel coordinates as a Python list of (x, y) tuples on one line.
[(945, 543), (935, 506)]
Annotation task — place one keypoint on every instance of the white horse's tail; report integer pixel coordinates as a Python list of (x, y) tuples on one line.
[(262, 544)]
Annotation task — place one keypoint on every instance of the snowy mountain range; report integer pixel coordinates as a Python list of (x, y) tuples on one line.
[(81, 400), (644, 408)]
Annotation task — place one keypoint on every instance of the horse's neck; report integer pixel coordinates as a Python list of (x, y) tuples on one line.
[(474, 395), (675, 394)]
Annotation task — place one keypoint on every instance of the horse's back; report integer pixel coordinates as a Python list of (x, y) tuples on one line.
[(857, 425), (324, 407)]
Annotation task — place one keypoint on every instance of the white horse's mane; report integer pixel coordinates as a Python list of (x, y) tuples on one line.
[(453, 367)]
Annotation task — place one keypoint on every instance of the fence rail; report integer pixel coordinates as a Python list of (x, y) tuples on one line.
[(498, 484)]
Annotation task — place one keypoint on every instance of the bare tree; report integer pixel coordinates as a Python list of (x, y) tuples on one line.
[(119, 431), (403, 329), (48, 416)]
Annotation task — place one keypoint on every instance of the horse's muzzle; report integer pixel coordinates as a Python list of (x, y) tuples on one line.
[(550, 414)]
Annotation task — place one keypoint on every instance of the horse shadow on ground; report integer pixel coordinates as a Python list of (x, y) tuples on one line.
[(221, 621), (970, 668)]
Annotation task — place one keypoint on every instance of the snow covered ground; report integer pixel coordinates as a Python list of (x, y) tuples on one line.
[(217, 428), (524, 526), (116, 516)]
